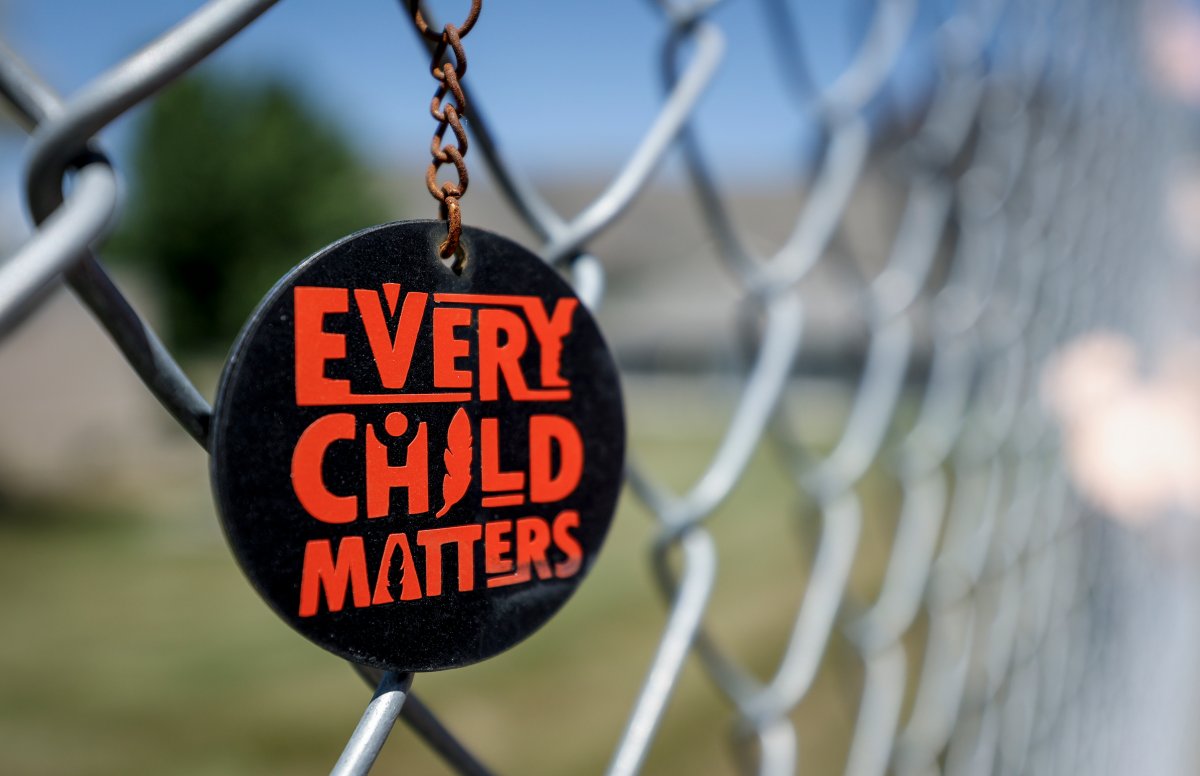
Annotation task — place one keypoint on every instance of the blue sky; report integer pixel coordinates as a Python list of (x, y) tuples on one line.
[(569, 87)]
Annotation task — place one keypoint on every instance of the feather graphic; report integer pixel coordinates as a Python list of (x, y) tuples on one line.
[(459, 450)]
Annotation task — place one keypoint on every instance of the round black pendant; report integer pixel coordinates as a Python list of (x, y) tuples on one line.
[(415, 466)]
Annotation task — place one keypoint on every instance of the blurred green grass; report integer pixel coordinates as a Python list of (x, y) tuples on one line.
[(133, 643)]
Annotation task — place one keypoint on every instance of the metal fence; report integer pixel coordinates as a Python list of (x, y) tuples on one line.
[(1028, 217)]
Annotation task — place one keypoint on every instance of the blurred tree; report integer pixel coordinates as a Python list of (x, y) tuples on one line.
[(232, 185)]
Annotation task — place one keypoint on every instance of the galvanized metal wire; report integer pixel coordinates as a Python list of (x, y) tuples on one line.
[(1027, 178)]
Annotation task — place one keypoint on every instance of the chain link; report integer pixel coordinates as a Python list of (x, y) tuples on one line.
[(448, 115), (1028, 180)]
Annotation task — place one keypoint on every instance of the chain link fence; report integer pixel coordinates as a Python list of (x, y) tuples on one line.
[(1030, 178)]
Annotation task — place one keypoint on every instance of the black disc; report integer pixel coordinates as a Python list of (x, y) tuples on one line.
[(416, 466)]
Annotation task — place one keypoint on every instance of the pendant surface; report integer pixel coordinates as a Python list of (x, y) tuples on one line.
[(416, 467)]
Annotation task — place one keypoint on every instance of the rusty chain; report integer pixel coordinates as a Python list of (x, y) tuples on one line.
[(448, 115)]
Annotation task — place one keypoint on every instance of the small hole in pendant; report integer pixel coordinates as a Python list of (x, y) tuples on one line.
[(456, 261)]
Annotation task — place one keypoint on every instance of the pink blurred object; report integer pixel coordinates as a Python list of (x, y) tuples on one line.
[(1172, 49), (1132, 442)]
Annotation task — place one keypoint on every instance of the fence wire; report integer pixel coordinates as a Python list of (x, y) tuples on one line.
[(1029, 177)]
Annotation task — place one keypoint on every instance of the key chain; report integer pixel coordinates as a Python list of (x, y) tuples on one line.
[(416, 461)]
